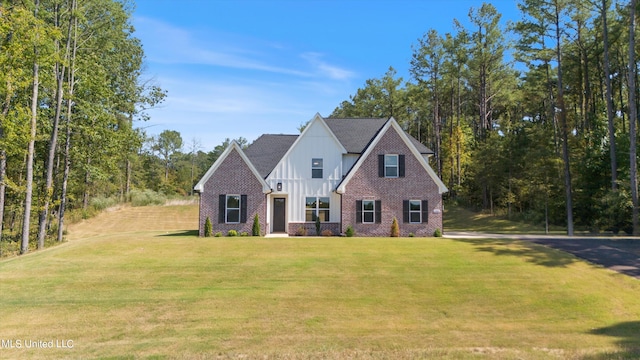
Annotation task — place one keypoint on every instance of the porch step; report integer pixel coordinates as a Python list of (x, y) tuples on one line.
[(277, 235)]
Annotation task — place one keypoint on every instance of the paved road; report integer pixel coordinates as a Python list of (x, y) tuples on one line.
[(619, 253)]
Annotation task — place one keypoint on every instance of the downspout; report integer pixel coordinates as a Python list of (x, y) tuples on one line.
[(267, 224), (199, 210)]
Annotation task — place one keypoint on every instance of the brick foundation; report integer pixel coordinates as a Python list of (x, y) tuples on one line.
[(311, 228)]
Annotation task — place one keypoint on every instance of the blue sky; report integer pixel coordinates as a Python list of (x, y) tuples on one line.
[(249, 67)]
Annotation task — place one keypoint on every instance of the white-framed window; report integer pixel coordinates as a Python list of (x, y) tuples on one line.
[(368, 211), (316, 168), (316, 207), (391, 165), (415, 211), (232, 211)]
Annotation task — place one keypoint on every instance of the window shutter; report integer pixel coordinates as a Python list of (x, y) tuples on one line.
[(381, 165), (358, 211), (405, 211), (222, 207), (400, 165), (378, 211), (243, 208), (425, 211)]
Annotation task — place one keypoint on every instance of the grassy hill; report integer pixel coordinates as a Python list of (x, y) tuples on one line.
[(458, 218), (138, 283)]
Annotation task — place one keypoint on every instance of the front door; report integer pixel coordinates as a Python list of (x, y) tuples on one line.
[(279, 211)]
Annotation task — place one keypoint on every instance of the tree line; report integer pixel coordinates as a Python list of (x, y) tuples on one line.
[(533, 119), (71, 88)]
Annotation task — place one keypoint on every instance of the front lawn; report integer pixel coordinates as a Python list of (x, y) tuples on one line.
[(132, 291)]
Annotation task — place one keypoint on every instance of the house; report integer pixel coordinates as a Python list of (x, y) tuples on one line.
[(347, 172)]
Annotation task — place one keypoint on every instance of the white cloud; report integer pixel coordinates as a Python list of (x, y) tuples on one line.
[(168, 44), (226, 86), (325, 69)]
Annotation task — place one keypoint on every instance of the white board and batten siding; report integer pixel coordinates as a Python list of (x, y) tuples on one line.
[(348, 160), (294, 172)]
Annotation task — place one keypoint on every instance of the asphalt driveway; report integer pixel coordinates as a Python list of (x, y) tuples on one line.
[(621, 254)]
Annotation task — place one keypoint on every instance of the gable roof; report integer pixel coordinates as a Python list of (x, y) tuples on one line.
[(392, 124), (356, 134), (267, 150), (316, 119), (233, 146), (353, 135)]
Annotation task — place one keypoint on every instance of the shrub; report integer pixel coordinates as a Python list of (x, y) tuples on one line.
[(208, 227), (218, 234), (100, 203), (349, 232), (302, 231), (395, 228), (317, 225), (147, 197), (411, 235), (437, 233), (327, 232), (232, 233), (255, 230), (244, 233)]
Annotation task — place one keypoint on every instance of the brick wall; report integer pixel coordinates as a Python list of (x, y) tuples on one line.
[(233, 176), (311, 228), (416, 185)]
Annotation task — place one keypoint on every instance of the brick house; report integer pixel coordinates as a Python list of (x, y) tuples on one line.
[(346, 172)]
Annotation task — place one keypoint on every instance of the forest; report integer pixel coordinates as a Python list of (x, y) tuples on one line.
[(534, 120)]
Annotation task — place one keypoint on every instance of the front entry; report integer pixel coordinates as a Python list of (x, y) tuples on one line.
[(279, 213)]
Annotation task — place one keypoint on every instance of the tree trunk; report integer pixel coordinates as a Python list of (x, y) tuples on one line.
[(3, 159), (59, 70), (609, 97), (65, 176), (53, 140), (436, 127), (87, 181), (26, 223), (3, 169), (564, 127), (633, 117), (67, 145)]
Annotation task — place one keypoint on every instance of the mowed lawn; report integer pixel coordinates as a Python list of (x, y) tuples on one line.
[(138, 283)]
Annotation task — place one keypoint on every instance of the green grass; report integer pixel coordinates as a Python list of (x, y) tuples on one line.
[(137, 283)]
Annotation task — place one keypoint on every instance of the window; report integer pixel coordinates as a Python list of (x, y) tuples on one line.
[(368, 211), (232, 209), (316, 168), (317, 207), (391, 166), (415, 211)]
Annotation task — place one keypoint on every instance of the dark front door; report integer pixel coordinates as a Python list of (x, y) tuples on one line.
[(279, 209)]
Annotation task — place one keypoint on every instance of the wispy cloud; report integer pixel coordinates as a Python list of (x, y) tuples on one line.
[(174, 45), (225, 85), (326, 69)]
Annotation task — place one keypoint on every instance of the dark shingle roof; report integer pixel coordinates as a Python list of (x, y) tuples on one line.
[(267, 150), (356, 134), (421, 147)]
